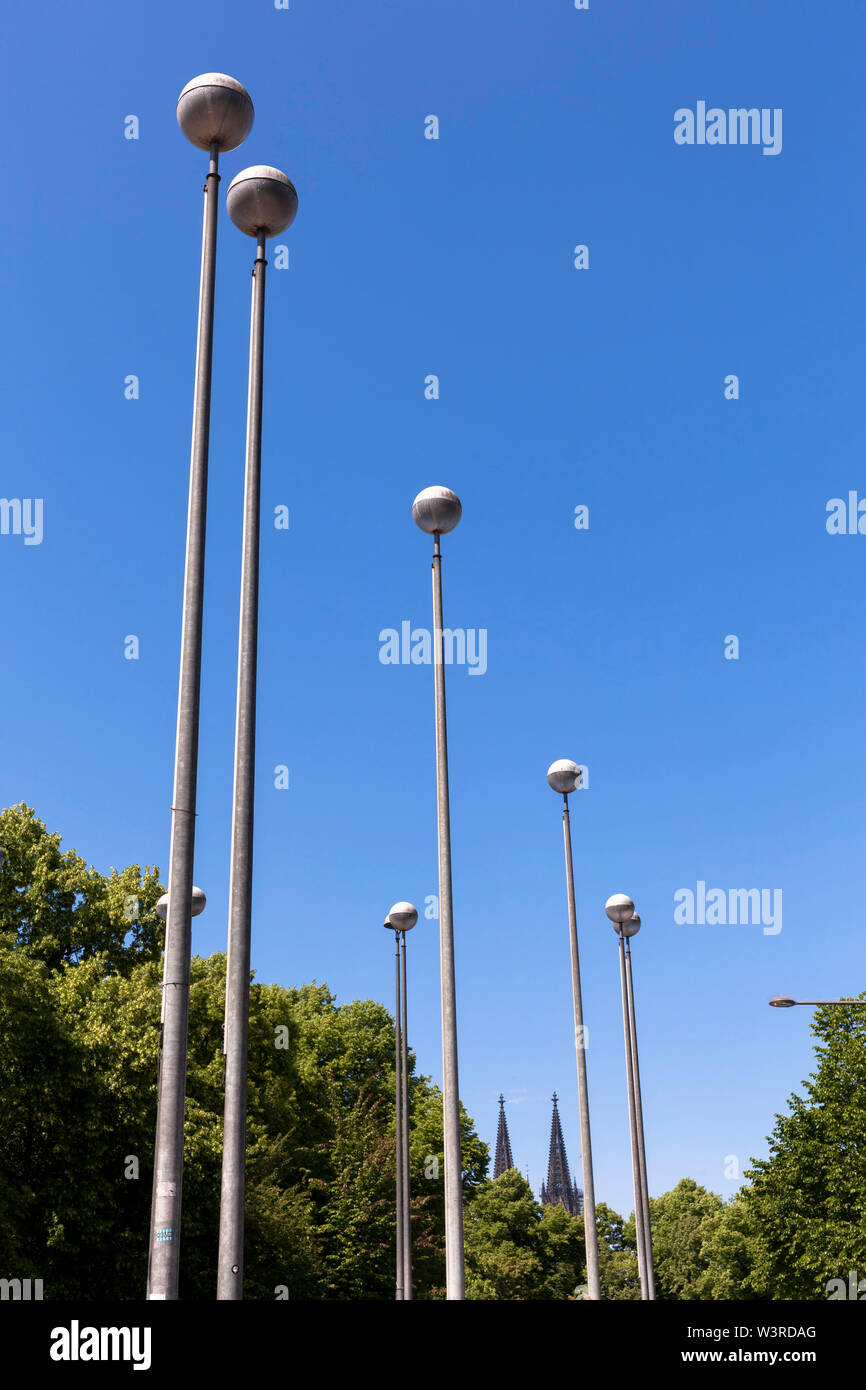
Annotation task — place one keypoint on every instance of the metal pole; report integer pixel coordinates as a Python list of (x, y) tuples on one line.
[(407, 1206), (454, 1272), (641, 1145), (590, 1233), (164, 1245), (398, 1122), (237, 1013), (639, 1224)]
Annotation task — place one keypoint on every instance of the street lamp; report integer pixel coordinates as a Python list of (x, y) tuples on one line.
[(401, 919), (215, 113), (626, 923), (437, 511), (564, 777), (630, 929), (620, 910), (262, 202), (784, 1001), (197, 904), (197, 907)]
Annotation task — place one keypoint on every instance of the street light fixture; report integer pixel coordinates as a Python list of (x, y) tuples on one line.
[(437, 511), (262, 202), (564, 777), (401, 919), (626, 923), (784, 1001), (215, 113), (197, 905)]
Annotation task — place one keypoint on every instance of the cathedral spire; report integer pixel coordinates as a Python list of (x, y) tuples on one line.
[(559, 1187), (503, 1160)]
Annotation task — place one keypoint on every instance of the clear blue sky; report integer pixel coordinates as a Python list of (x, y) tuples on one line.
[(559, 387)]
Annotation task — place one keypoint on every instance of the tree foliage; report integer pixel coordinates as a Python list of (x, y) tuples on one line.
[(61, 910), (807, 1201), (79, 1048), (679, 1221), (80, 975), (617, 1254), (518, 1250)]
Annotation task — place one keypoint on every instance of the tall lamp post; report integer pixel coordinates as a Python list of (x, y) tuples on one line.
[(564, 777), (401, 919), (262, 202), (198, 902), (626, 924), (215, 113), (634, 924), (437, 511)]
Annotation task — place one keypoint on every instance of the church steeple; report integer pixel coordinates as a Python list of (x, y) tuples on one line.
[(503, 1160), (559, 1187)]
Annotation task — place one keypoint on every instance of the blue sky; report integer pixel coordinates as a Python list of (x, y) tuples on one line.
[(558, 387)]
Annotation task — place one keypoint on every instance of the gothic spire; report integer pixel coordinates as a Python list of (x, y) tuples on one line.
[(559, 1187), (503, 1160)]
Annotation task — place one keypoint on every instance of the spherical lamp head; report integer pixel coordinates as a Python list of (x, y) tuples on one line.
[(629, 928), (402, 917), (216, 109), (262, 201), (564, 776), (198, 904), (782, 1001), (437, 510), (620, 909)]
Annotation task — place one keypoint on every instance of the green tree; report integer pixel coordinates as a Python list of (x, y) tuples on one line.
[(356, 1217), (806, 1202), (518, 1250), (563, 1252), (61, 910), (36, 1061), (728, 1250), (79, 1049), (677, 1223), (617, 1255), (98, 1209)]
